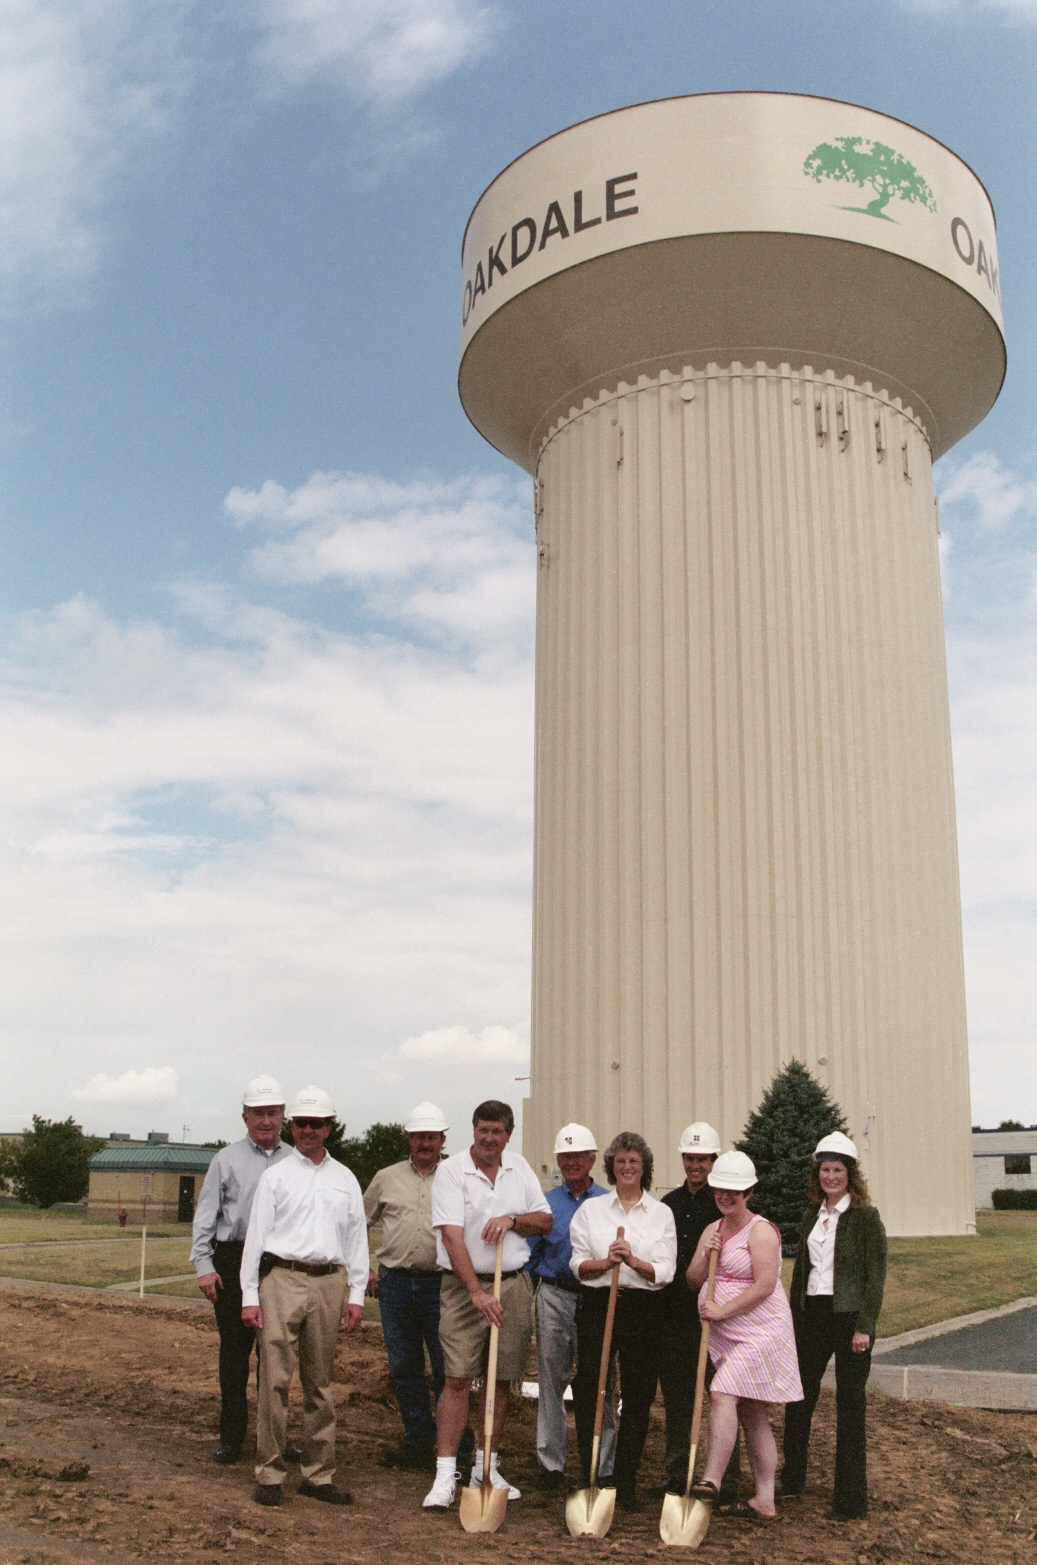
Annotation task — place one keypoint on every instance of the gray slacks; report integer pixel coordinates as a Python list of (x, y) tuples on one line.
[(556, 1365)]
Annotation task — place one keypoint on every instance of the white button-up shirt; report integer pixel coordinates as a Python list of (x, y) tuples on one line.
[(649, 1229), (821, 1246), (310, 1212), (463, 1197)]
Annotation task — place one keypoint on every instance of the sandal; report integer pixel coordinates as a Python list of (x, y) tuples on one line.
[(704, 1490), (742, 1511)]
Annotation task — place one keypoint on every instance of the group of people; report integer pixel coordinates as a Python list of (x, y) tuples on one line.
[(281, 1250)]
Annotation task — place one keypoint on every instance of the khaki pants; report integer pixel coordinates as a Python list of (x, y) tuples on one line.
[(301, 1317)]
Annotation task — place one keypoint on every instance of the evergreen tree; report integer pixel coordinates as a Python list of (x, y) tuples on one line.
[(50, 1164), (379, 1146), (780, 1137)]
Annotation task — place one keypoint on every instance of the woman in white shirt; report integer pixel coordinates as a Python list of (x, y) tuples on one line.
[(836, 1296), (647, 1257)]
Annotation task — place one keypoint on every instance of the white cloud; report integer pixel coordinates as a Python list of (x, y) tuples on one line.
[(1019, 11), (134, 1089), (461, 1046), (990, 557), (246, 842), (384, 51), (90, 89), (447, 560)]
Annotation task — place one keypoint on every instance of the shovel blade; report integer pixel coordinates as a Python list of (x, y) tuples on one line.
[(589, 1512), (684, 1522), (483, 1509)]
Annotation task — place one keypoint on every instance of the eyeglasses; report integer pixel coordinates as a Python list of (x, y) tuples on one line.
[(311, 1124)]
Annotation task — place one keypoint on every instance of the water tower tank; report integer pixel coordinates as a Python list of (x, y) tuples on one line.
[(728, 335)]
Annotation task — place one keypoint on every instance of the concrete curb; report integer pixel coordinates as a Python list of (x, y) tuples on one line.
[(940, 1328)]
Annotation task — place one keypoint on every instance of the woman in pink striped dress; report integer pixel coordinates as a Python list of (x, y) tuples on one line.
[(752, 1344)]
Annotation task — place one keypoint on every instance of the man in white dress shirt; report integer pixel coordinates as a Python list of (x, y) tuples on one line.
[(480, 1196), (307, 1228)]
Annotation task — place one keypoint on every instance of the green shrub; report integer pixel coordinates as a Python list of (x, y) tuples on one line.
[(1015, 1200), (780, 1138)]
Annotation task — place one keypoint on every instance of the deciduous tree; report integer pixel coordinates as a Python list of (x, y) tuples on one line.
[(862, 162), (50, 1164)]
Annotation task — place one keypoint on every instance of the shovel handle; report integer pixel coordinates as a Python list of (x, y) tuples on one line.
[(700, 1375), (606, 1348), (491, 1369)]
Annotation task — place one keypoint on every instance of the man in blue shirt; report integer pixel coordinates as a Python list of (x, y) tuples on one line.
[(557, 1294)]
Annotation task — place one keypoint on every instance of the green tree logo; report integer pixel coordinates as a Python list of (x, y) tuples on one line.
[(869, 163)]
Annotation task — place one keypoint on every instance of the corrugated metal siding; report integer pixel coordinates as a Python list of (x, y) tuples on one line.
[(745, 846)]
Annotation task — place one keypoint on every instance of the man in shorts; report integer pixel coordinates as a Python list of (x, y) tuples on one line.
[(478, 1197)]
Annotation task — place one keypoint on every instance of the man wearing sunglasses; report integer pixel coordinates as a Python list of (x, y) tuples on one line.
[(307, 1239)]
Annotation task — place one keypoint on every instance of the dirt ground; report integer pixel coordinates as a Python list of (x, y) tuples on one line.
[(130, 1390)]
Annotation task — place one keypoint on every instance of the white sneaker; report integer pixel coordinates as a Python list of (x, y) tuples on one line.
[(498, 1482), (441, 1496)]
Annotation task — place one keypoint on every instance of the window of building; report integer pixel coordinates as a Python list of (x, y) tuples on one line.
[(1019, 1164)]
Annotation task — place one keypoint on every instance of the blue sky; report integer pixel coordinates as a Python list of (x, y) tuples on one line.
[(266, 596)]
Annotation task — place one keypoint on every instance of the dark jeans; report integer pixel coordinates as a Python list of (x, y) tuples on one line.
[(635, 1340), (820, 1332), (409, 1306), (236, 1343), (681, 1336)]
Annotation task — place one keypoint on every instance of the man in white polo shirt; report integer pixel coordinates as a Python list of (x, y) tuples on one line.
[(480, 1196)]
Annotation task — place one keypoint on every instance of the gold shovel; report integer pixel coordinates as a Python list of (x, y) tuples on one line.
[(483, 1509), (588, 1512), (684, 1521)]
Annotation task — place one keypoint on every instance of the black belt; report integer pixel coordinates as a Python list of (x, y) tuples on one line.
[(558, 1282), (489, 1277), (311, 1268)]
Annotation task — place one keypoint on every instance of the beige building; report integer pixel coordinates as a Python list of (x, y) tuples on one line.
[(155, 1183), (728, 335)]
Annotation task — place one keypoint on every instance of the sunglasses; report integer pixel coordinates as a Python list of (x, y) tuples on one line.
[(311, 1124)]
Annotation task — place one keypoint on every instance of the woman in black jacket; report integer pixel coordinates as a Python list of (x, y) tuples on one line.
[(836, 1296)]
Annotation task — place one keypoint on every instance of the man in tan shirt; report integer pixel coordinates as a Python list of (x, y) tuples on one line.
[(407, 1283)]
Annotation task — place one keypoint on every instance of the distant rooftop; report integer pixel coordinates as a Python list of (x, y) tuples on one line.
[(154, 1157)]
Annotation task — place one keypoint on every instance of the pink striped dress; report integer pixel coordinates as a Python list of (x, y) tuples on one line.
[(755, 1353)]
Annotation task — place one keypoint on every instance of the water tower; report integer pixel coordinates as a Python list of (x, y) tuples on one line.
[(728, 335)]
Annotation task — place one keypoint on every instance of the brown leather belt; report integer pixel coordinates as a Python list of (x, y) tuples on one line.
[(310, 1268)]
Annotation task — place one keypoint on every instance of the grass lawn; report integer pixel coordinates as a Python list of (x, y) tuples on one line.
[(935, 1279), (28, 1225), (97, 1265)]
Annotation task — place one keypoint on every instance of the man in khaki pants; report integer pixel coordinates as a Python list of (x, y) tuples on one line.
[(307, 1237)]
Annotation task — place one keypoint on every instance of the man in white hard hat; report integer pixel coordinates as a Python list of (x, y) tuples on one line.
[(556, 1298), (693, 1208), (407, 1283), (220, 1222), (486, 1194), (307, 1229)]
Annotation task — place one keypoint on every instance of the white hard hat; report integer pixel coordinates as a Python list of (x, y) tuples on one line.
[(732, 1171), (575, 1138), (311, 1103), (263, 1092), (425, 1117), (699, 1137), (836, 1145)]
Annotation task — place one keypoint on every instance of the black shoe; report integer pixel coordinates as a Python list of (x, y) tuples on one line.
[(667, 1486), (226, 1454), (292, 1455), (412, 1457), (267, 1494), (627, 1501), (846, 1516), (786, 1489), (550, 1478), (328, 1492)]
